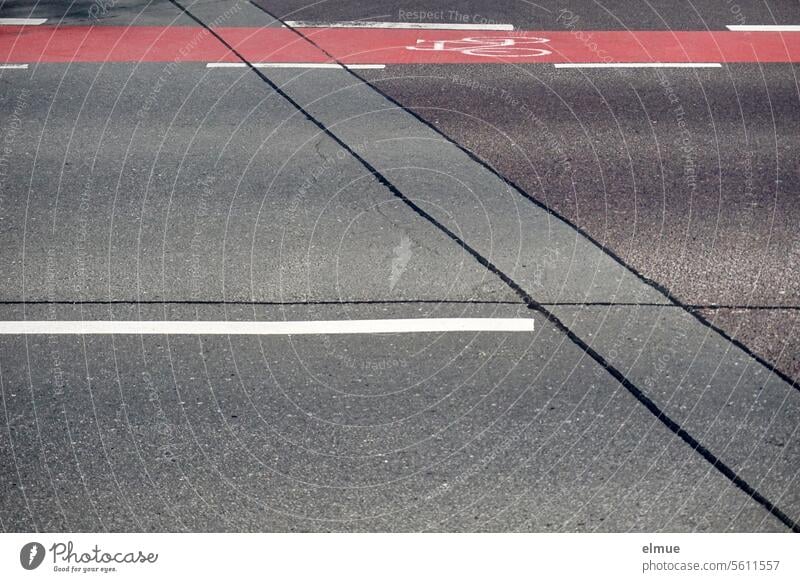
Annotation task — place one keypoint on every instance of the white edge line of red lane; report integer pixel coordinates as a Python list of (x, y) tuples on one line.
[(637, 65), (764, 27), (292, 66), (22, 21), (405, 25)]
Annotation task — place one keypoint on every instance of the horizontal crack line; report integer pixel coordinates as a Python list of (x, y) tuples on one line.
[(712, 306)]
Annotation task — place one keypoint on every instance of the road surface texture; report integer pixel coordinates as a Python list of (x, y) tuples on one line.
[(218, 217)]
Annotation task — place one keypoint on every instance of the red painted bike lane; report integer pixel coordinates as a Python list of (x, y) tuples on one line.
[(25, 44)]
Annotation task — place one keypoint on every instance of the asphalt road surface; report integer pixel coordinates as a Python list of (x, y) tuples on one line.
[(399, 266)]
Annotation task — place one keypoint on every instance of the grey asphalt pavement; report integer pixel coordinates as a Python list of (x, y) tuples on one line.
[(689, 176), (655, 249), (544, 14)]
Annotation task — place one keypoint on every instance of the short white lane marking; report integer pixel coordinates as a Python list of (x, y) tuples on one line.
[(13, 66), (292, 66), (764, 27), (411, 25), (358, 326), (637, 65), (22, 21)]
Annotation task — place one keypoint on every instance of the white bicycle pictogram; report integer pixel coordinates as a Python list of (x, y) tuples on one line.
[(486, 46)]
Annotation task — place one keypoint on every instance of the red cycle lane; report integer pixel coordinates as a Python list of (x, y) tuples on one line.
[(25, 44)]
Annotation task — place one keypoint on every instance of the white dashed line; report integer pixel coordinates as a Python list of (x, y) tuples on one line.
[(363, 326), (292, 66), (637, 65), (22, 21), (764, 27), (13, 66), (410, 25)]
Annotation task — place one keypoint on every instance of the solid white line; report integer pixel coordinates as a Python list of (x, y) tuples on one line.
[(293, 66), (413, 25), (636, 65), (13, 66), (359, 326), (764, 27), (22, 21)]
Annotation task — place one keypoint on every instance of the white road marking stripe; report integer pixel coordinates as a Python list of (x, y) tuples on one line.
[(636, 65), (293, 66), (362, 326), (413, 25), (13, 66), (764, 27), (22, 21)]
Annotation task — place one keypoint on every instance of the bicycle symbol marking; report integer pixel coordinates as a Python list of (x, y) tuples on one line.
[(487, 46)]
